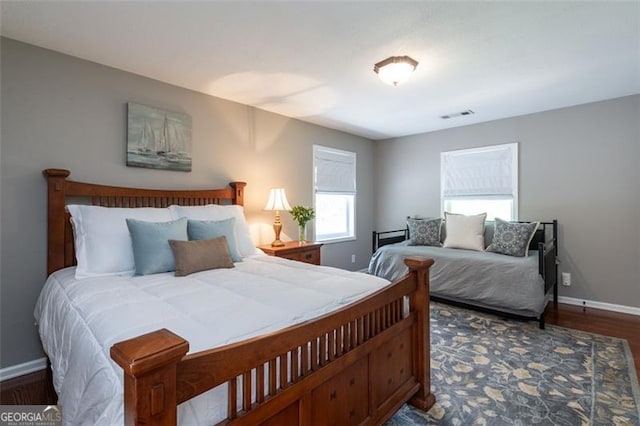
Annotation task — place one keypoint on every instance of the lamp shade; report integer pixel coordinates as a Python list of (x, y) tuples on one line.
[(396, 69), (277, 200)]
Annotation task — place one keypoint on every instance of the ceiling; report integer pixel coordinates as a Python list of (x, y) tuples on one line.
[(313, 60)]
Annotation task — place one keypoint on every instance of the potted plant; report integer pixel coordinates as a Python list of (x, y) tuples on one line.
[(302, 215)]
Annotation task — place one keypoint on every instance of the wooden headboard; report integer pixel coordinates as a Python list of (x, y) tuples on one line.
[(60, 250)]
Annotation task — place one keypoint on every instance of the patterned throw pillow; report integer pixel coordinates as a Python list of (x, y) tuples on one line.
[(424, 232), (512, 238)]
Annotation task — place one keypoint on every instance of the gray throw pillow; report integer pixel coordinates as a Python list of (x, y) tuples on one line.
[(424, 232), (200, 255), (512, 238), (151, 251), (209, 229)]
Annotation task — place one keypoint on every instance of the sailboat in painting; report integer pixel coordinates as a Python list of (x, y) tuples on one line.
[(170, 143), (164, 144), (147, 139), (170, 140), (158, 139)]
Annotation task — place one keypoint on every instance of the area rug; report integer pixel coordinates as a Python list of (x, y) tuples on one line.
[(490, 371)]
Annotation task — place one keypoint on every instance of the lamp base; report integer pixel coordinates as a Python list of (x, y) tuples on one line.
[(277, 243), (277, 227)]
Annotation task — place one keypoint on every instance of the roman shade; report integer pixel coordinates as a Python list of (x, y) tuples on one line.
[(485, 172), (335, 170)]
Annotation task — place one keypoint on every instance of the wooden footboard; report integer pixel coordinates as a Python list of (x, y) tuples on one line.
[(357, 365)]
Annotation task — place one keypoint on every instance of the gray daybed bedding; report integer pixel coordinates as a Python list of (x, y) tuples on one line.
[(489, 280)]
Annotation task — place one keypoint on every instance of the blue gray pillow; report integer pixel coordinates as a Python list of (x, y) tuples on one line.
[(424, 232), (151, 251), (512, 238), (210, 229)]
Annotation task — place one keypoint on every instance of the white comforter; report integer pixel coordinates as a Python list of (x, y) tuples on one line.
[(79, 321)]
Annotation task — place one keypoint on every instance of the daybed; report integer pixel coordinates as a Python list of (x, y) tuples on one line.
[(518, 286), (348, 351)]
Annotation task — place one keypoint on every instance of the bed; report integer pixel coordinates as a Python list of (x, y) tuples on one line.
[(517, 286), (349, 357)]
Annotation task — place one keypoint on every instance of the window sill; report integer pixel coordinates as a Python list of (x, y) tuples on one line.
[(336, 240)]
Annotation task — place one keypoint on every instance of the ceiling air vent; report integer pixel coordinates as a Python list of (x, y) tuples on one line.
[(457, 114)]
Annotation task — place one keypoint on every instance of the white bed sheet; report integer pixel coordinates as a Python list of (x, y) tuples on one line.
[(79, 321)]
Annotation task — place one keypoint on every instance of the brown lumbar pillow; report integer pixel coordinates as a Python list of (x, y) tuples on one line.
[(201, 255)]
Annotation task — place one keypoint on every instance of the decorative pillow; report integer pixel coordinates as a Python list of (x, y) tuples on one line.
[(102, 240), (424, 232), (200, 255), (512, 238), (488, 233), (464, 232), (151, 250), (246, 247), (208, 229)]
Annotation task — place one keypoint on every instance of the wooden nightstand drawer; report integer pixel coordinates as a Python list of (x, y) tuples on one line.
[(305, 252), (292, 256), (310, 256)]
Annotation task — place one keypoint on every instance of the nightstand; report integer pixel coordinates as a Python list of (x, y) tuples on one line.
[(308, 252)]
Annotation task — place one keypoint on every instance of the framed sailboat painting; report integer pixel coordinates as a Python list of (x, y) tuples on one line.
[(158, 139)]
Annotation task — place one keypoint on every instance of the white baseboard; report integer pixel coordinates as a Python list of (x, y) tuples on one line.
[(22, 369), (599, 305)]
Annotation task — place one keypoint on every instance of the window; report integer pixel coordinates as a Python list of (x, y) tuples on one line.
[(481, 180), (334, 180)]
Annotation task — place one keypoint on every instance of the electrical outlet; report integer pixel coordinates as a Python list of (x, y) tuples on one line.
[(353, 258), (566, 279)]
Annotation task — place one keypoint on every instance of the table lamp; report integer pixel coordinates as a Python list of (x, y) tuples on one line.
[(277, 201)]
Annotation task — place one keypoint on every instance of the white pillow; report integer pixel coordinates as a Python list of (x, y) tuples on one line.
[(464, 232), (218, 212), (102, 241)]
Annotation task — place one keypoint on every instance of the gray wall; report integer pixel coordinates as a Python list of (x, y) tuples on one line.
[(579, 165), (63, 112)]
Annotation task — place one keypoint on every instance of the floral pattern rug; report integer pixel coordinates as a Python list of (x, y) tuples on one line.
[(490, 371)]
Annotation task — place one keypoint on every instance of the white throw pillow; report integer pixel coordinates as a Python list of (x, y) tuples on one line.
[(464, 232), (102, 240), (218, 212)]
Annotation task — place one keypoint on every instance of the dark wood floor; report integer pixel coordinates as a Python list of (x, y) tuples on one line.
[(624, 326), (31, 389), (36, 389)]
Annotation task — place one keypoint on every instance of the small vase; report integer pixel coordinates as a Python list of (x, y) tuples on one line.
[(302, 233)]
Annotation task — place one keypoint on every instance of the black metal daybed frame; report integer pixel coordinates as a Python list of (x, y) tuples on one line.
[(547, 264)]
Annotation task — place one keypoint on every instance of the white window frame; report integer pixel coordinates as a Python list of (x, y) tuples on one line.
[(511, 148), (346, 186)]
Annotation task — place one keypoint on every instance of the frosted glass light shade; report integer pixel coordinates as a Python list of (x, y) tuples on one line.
[(395, 69), (277, 200)]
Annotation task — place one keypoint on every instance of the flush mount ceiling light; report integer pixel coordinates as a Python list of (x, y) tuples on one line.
[(395, 69)]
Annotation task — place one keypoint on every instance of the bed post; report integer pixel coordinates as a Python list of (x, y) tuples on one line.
[(56, 194), (373, 242), (419, 266), (150, 364), (238, 188)]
